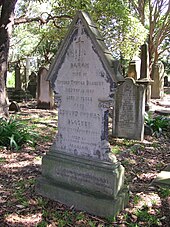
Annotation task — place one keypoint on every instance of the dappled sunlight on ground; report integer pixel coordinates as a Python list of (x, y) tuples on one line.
[(15, 219), (21, 206)]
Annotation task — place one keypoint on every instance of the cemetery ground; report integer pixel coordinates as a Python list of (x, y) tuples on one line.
[(149, 205)]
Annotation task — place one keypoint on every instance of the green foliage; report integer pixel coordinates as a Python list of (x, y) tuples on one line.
[(14, 133), (136, 199), (42, 224), (158, 124), (11, 80), (2, 160), (116, 150), (164, 192), (123, 32), (143, 215)]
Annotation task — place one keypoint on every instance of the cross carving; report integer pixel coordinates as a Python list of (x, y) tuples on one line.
[(79, 44)]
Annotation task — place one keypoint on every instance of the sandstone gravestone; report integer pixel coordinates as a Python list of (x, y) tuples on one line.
[(144, 75), (166, 82), (157, 88), (134, 68), (17, 78), (128, 118), (32, 84), (44, 91), (80, 170), (14, 107)]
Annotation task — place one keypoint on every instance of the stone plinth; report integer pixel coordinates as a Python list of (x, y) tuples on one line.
[(94, 186)]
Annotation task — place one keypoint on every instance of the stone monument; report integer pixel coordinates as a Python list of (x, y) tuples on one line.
[(44, 92), (144, 75), (19, 94), (80, 169), (157, 88), (32, 84), (128, 117), (134, 68)]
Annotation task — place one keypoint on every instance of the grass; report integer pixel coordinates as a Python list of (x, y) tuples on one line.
[(143, 215), (164, 192), (60, 215), (136, 199), (116, 149), (2, 160)]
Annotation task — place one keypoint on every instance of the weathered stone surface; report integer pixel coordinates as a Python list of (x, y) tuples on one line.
[(166, 82), (32, 84), (14, 107), (144, 70), (134, 68), (17, 78), (163, 178), (128, 118), (80, 169), (94, 186), (44, 91), (144, 75), (157, 88)]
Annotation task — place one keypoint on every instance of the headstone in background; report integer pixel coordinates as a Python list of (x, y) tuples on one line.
[(32, 84), (144, 75), (134, 68), (166, 82), (80, 169), (128, 120), (14, 107), (17, 78), (44, 92), (157, 88), (144, 70), (19, 94)]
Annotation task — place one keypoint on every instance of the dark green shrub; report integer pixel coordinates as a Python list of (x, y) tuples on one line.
[(158, 124), (14, 133)]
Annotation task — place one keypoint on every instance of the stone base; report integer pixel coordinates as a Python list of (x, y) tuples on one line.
[(20, 95), (96, 205), (44, 105), (94, 186)]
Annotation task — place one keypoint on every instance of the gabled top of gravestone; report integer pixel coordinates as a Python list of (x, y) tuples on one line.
[(110, 65)]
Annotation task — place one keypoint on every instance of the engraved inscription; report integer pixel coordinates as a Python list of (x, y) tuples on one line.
[(127, 113), (84, 178), (81, 82)]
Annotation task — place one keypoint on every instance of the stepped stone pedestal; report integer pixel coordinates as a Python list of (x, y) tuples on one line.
[(80, 169)]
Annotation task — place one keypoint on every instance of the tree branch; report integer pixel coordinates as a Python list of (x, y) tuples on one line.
[(162, 51), (40, 19)]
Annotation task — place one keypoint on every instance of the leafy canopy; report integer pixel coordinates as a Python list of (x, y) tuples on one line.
[(41, 25)]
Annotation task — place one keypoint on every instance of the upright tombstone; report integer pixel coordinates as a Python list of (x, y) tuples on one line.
[(157, 88), (128, 117), (44, 92), (32, 84), (18, 94), (134, 68), (80, 169), (144, 75), (166, 82), (17, 78)]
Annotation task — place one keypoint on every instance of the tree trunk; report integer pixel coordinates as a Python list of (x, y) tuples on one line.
[(6, 22)]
